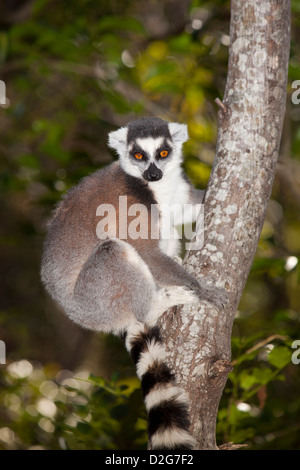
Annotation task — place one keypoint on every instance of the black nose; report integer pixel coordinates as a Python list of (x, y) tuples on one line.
[(152, 173)]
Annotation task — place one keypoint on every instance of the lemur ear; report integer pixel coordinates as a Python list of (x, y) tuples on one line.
[(118, 139), (179, 132)]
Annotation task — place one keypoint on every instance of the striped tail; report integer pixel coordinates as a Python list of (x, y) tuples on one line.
[(166, 403)]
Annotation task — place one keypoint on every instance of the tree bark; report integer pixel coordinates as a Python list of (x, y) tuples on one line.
[(250, 124)]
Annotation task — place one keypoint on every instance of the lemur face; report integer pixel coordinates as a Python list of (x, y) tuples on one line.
[(149, 148)]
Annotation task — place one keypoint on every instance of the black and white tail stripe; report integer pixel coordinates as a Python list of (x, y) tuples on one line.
[(166, 403)]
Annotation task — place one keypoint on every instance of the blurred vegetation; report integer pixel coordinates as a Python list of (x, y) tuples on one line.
[(74, 72)]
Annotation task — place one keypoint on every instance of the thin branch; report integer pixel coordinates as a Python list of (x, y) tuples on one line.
[(232, 446), (224, 109), (261, 344)]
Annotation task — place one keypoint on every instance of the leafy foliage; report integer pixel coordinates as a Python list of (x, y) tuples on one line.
[(45, 408)]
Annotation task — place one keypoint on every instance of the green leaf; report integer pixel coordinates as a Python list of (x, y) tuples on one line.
[(117, 23), (264, 264), (280, 357), (29, 161), (84, 428), (119, 412), (255, 377)]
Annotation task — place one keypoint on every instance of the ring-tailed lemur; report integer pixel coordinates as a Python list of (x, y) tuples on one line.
[(122, 283)]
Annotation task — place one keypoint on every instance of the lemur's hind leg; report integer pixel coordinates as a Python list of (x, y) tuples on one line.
[(168, 297), (113, 289), (168, 272)]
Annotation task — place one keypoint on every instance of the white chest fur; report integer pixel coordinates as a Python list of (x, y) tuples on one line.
[(172, 195)]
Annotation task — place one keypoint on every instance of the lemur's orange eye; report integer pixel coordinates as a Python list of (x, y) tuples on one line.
[(164, 153), (138, 155)]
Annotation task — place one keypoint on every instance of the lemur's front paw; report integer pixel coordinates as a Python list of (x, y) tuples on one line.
[(215, 295)]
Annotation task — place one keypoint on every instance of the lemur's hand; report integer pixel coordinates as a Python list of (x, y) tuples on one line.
[(210, 293), (178, 260)]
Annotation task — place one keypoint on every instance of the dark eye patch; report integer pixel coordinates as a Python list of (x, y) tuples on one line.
[(163, 147), (136, 150)]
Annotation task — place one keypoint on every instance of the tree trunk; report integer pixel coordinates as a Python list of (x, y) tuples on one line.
[(250, 124)]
